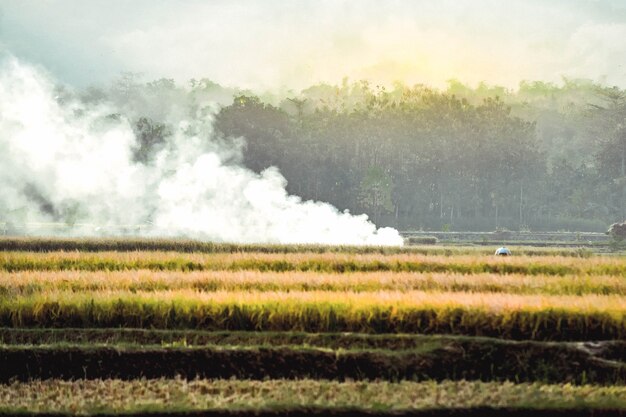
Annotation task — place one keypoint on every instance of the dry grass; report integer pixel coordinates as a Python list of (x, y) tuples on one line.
[(506, 315), (615, 304), (323, 289), (102, 396), (326, 262), (50, 244), (545, 297), (32, 282)]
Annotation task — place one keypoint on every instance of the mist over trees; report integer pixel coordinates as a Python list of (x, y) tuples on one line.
[(542, 157)]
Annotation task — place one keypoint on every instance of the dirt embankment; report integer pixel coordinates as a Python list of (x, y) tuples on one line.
[(452, 360)]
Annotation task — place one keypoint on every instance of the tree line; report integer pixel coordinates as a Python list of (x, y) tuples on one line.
[(541, 157)]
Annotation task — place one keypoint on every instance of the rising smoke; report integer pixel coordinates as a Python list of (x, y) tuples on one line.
[(63, 161)]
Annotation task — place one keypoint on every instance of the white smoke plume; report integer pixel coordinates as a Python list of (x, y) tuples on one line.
[(66, 162)]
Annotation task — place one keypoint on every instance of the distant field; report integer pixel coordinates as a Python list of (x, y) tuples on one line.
[(314, 262), (35, 244), (340, 329)]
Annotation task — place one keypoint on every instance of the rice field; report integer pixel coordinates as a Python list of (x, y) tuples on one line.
[(143, 326), (33, 282), (313, 262), (52, 244)]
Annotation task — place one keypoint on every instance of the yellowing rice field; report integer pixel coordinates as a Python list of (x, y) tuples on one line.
[(31, 282), (428, 327), (314, 262), (528, 316)]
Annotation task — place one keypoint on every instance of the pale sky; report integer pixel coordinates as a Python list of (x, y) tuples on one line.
[(267, 44)]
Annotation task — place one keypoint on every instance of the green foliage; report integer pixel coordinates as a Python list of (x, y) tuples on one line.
[(548, 156), (375, 192), (421, 240), (150, 136)]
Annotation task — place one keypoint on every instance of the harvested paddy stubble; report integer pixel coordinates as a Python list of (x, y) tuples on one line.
[(115, 396)]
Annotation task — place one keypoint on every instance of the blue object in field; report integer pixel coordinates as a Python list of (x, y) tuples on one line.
[(503, 251)]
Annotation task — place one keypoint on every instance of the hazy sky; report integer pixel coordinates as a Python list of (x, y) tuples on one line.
[(268, 43)]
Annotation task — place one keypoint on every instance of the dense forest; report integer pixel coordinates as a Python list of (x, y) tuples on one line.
[(541, 157)]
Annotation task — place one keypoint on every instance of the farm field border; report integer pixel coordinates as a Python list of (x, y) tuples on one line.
[(431, 359), (176, 395), (129, 337)]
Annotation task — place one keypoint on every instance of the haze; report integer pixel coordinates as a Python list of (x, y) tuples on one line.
[(272, 44)]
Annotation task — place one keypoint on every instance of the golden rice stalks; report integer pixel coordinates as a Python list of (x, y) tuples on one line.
[(507, 315), (32, 282), (328, 262)]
